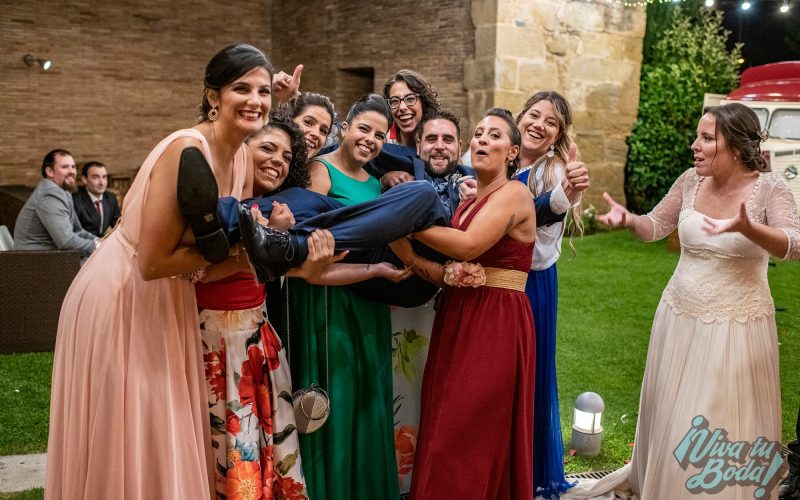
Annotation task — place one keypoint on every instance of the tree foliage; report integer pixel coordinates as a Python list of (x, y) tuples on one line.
[(687, 59)]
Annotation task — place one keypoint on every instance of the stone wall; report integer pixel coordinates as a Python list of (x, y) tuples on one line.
[(591, 52), (124, 75)]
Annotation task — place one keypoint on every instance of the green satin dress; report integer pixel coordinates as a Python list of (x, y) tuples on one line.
[(352, 456)]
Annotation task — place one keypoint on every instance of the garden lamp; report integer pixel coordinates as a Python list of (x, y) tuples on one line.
[(586, 429)]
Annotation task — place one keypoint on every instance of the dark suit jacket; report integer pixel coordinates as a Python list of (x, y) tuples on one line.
[(90, 219)]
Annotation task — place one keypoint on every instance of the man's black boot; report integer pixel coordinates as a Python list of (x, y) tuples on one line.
[(270, 250)]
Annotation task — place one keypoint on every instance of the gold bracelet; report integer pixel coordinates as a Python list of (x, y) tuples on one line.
[(414, 263)]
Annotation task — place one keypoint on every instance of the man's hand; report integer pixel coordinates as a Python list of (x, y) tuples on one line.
[(395, 177), (467, 188), (281, 216)]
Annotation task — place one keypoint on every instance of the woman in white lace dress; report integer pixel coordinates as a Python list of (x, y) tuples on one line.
[(713, 348)]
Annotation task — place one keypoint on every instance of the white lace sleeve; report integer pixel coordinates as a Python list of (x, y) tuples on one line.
[(666, 214), (782, 214)]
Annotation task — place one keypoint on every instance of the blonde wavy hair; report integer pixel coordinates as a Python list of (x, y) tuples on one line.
[(574, 223)]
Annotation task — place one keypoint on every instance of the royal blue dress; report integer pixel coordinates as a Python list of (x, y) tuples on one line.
[(548, 447)]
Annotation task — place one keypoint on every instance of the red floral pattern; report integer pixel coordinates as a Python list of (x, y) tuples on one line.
[(405, 445), (245, 410)]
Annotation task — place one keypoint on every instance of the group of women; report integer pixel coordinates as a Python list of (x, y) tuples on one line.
[(150, 400)]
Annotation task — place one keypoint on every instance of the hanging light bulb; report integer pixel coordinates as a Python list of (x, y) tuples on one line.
[(745, 5), (785, 7), (709, 3)]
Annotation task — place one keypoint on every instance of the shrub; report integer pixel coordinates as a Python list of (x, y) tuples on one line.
[(688, 59)]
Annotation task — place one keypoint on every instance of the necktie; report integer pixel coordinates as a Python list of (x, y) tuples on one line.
[(97, 206)]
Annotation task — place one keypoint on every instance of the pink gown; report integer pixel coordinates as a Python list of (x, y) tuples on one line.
[(128, 410)]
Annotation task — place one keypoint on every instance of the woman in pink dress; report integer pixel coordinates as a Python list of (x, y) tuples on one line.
[(129, 412)]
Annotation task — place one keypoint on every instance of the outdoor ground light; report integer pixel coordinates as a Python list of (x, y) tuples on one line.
[(586, 429), (44, 63)]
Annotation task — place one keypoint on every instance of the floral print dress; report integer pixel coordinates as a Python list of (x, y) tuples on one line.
[(254, 438)]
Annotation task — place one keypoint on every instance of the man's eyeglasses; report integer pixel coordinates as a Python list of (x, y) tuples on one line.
[(409, 99)]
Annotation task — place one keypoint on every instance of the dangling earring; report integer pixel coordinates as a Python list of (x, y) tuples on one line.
[(213, 114), (551, 152)]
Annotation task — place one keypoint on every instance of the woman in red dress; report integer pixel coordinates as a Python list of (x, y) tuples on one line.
[(475, 438)]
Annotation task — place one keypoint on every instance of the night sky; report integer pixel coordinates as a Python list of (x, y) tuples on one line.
[(762, 28)]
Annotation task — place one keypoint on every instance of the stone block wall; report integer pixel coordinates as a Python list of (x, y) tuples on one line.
[(126, 74), (590, 52)]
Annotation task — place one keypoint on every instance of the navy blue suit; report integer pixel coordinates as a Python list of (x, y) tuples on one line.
[(364, 229)]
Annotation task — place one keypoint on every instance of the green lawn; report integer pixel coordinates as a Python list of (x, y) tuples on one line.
[(24, 402), (36, 494), (608, 295)]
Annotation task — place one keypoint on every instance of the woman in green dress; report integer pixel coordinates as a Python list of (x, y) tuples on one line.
[(342, 342)]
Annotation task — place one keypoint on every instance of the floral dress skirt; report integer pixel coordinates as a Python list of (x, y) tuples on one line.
[(254, 439)]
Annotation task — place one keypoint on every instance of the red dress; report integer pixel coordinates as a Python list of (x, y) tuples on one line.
[(476, 423)]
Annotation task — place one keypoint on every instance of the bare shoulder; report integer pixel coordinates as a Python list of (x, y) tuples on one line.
[(320, 177), (517, 191)]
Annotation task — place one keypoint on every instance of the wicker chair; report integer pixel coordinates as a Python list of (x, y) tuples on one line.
[(33, 286)]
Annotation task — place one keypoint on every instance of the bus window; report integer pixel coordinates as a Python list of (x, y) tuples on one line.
[(785, 124), (762, 114)]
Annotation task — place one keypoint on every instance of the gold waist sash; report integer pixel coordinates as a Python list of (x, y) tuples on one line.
[(510, 279)]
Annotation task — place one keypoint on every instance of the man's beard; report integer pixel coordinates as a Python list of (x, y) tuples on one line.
[(70, 188), (449, 169)]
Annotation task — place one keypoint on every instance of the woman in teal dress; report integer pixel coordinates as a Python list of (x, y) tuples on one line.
[(342, 342)]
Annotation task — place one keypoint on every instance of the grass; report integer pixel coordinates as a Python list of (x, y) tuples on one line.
[(608, 295), (24, 402), (35, 494)]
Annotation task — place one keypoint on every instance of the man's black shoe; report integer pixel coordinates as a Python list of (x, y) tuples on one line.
[(790, 488), (270, 250), (197, 199)]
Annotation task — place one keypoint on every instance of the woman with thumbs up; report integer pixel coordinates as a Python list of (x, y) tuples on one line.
[(548, 164)]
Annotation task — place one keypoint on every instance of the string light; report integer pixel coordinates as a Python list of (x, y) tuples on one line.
[(641, 3), (745, 5)]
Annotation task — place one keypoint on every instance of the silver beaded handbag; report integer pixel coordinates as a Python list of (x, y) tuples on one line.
[(311, 405)]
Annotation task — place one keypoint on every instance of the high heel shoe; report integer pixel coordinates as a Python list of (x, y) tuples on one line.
[(197, 200), (271, 251)]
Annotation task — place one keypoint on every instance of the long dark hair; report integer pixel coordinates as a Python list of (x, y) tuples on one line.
[(229, 64), (298, 167), (417, 84), (741, 129)]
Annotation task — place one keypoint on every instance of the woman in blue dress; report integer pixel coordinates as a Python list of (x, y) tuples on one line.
[(546, 156)]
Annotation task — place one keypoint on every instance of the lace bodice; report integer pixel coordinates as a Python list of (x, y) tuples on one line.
[(724, 277)]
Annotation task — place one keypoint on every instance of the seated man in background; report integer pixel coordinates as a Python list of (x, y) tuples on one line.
[(96, 207), (48, 220)]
